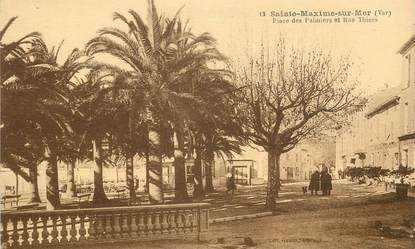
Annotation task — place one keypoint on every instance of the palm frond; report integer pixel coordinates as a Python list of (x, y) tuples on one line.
[(3, 31)]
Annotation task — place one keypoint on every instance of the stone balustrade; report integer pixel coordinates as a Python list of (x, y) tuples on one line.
[(28, 229)]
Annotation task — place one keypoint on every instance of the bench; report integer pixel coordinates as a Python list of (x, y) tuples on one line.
[(27, 206), (121, 192), (9, 199), (82, 196)]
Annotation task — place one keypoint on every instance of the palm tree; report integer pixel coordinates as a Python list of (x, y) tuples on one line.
[(163, 57), (216, 128), (15, 151), (36, 110), (95, 104), (130, 54), (58, 111), (31, 83), (142, 51)]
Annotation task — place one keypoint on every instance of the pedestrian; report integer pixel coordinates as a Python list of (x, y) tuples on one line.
[(314, 183), (230, 183), (136, 184), (326, 185)]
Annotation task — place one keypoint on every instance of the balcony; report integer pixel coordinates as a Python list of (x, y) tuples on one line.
[(409, 131), (410, 127)]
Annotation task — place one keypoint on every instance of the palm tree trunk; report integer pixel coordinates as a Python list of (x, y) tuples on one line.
[(198, 173), (99, 193), (34, 188), (209, 162), (147, 172), (273, 184), (180, 190), (70, 182), (52, 180), (129, 167), (155, 181), (130, 177), (147, 158)]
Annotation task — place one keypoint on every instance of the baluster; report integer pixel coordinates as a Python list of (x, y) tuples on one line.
[(117, 227), (164, 221), (4, 234), (54, 232), (133, 226), (64, 231), (141, 226), (15, 234), (45, 233), (149, 224), (194, 220), (179, 227), (99, 231), (187, 227), (73, 232), (92, 229), (25, 234), (35, 233), (82, 230), (157, 224), (172, 221), (124, 227), (108, 228)]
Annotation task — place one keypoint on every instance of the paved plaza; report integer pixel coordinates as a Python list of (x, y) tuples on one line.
[(251, 199), (343, 220)]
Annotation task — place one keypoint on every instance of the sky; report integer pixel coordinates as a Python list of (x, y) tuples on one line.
[(237, 26)]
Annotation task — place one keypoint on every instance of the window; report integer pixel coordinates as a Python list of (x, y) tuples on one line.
[(405, 118), (396, 164), (405, 158), (408, 58)]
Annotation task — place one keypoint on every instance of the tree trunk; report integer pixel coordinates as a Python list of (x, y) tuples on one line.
[(273, 184), (99, 193), (147, 158), (130, 177), (155, 181), (180, 189), (52, 180), (129, 167), (147, 172), (209, 169), (70, 183), (34, 188), (198, 173)]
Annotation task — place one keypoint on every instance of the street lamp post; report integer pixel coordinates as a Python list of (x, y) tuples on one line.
[(17, 189)]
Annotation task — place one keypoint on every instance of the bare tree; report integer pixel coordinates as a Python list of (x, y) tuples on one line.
[(289, 96)]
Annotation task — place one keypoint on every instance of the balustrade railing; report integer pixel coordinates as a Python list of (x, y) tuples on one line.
[(27, 229)]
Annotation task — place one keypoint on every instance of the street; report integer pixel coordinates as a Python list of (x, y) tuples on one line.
[(344, 220)]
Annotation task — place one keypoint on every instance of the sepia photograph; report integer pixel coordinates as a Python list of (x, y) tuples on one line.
[(194, 124)]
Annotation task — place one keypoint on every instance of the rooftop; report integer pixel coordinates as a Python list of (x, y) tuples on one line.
[(383, 100), (408, 44)]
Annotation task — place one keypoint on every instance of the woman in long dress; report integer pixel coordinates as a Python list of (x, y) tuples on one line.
[(314, 183), (326, 182)]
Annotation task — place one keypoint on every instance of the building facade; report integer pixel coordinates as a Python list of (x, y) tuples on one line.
[(383, 132), (251, 166), (407, 137)]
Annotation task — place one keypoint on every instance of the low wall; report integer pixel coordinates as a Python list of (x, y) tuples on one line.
[(29, 229)]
